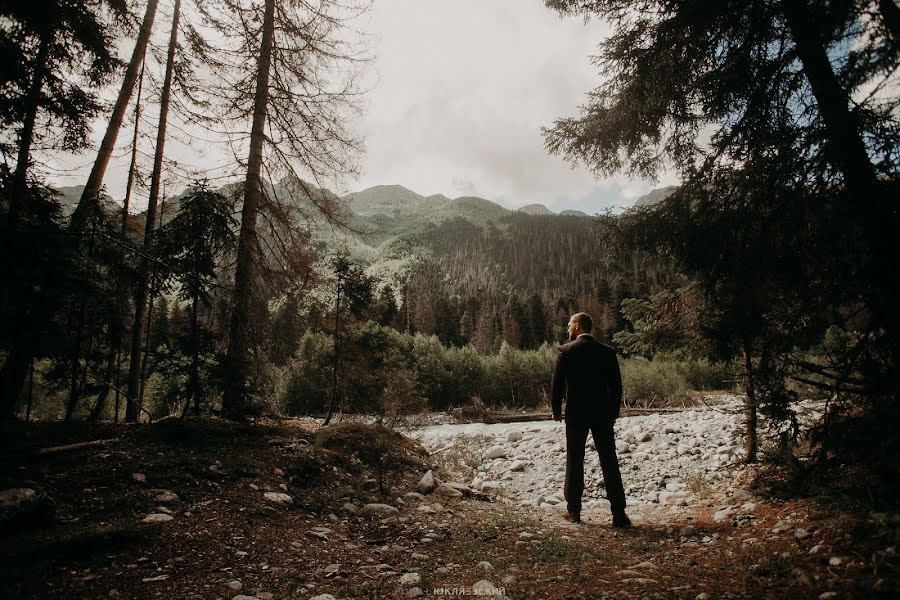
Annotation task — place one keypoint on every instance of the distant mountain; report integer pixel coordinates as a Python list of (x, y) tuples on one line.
[(536, 209), (657, 195), (573, 213), (391, 200), (69, 196)]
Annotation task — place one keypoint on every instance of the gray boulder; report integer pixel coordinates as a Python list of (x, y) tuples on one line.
[(426, 484)]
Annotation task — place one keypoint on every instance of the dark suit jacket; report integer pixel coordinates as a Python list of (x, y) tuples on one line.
[(591, 373)]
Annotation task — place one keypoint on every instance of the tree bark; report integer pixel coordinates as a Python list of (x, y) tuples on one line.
[(132, 168), (32, 105), (234, 400), (334, 373), (139, 327), (751, 442), (195, 355), (104, 154)]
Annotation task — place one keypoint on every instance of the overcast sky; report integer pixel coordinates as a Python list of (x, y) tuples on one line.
[(464, 88), (459, 92)]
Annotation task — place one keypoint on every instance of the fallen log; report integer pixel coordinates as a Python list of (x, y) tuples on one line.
[(75, 446)]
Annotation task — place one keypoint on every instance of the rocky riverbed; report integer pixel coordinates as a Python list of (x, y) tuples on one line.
[(670, 462)]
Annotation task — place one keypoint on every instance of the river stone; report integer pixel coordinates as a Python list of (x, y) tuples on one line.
[(495, 452), (426, 484), (375, 509), (157, 518), (278, 498), (167, 496), (466, 490), (447, 492)]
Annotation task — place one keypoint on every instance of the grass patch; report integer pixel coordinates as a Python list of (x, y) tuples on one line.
[(554, 549)]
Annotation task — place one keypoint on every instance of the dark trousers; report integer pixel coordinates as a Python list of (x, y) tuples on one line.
[(576, 436)]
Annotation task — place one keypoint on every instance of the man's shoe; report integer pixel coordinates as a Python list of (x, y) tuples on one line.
[(572, 517), (621, 521)]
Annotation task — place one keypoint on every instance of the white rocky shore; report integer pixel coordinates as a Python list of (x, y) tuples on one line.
[(670, 462)]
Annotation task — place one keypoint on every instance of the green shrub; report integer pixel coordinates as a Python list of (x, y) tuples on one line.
[(651, 383)]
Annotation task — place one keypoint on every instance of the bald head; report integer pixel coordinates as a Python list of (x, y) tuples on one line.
[(579, 323)]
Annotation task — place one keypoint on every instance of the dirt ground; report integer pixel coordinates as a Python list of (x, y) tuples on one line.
[(87, 537)]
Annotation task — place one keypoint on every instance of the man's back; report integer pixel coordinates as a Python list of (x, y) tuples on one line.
[(590, 371)]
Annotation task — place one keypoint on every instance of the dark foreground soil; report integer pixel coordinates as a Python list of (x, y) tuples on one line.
[(88, 539)]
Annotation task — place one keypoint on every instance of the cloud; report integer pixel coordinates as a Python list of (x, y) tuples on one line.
[(464, 88)]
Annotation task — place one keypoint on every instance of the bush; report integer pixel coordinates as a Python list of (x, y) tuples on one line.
[(649, 383), (309, 375), (702, 375)]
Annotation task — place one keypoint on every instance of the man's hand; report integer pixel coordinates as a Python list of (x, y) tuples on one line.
[(557, 417)]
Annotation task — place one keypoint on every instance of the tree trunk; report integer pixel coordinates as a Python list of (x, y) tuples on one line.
[(751, 442), (195, 356), (132, 168), (234, 400), (871, 204), (845, 144), (115, 351), (30, 393), (32, 105), (139, 327), (103, 395), (334, 372), (104, 154)]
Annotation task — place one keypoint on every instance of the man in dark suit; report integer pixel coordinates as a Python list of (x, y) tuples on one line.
[(587, 373)]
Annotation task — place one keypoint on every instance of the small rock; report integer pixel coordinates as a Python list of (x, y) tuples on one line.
[(828, 595), (801, 534), (323, 597), (244, 597), (509, 579), (518, 465), (722, 514), (415, 592), (157, 518), (414, 496), (781, 526), (350, 508), (235, 585), (265, 595), (447, 492), (331, 569), (167, 496), (687, 531), (426, 484), (380, 510), (703, 596), (835, 561), (495, 452), (410, 579), (513, 436), (139, 477), (278, 498), (484, 566), (466, 490), (419, 556), (817, 548)]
